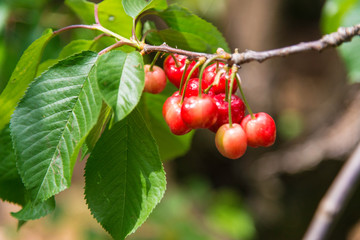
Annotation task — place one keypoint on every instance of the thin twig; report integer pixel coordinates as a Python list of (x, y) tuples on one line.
[(115, 45), (343, 34), (335, 199)]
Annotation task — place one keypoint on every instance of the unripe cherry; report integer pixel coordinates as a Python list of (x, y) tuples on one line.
[(155, 80), (199, 112), (231, 141), (260, 131)]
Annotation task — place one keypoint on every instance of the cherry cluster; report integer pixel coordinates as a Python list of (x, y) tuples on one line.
[(191, 108)]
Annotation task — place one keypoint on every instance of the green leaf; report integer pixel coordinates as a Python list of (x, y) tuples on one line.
[(134, 8), (344, 13), (111, 15), (22, 76), (51, 123), (32, 211), (95, 133), (121, 80), (170, 145), (124, 177), (183, 21), (13, 190), (74, 47), (7, 156), (182, 40), (350, 51), (82, 8), (333, 13)]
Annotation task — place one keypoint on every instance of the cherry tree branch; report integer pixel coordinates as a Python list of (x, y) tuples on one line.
[(335, 199), (343, 34)]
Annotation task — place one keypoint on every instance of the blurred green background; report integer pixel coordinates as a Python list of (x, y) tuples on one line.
[(269, 193)]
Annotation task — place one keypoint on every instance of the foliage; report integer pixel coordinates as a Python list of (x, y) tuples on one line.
[(59, 106), (338, 13), (89, 100)]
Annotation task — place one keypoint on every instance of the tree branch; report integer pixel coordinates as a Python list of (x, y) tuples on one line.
[(335, 199), (343, 34)]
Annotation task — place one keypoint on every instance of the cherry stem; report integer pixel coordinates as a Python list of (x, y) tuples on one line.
[(201, 61), (226, 68), (154, 61), (234, 70), (208, 61), (244, 98), (187, 63), (177, 64)]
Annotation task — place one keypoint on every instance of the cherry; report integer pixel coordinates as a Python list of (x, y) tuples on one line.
[(209, 76), (231, 141), (172, 115), (199, 112), (192, 88), (175, 73), (155, 80), (237, 110), (260, 130)]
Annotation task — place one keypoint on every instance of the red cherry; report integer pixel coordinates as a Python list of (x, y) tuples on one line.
[(199, 112), (155, 80), (192, 88), (172, 115), (260, 131), (237, 110), (209, 76), (174, 73), (231, 141)]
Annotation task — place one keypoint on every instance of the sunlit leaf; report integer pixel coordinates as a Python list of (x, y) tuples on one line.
[(121, 80), (135, 7), (51, 123), (124, 177)]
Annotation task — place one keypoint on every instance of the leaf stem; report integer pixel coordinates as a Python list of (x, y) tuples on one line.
[(96, 14), (201, 61)]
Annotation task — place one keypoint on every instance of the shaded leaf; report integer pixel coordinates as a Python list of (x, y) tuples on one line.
[(121, 80), (7, 156), (134, 8), (13, 190), (183, 21), (22, 76), (182, 40), (170, 145), (74, 47), (124, 177), (51, 123)]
